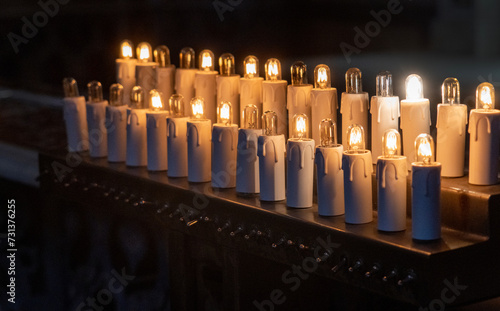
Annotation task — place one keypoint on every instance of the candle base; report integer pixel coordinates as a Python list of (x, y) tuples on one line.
[(247, 162), (271, 152), (330, 180), (228, 89), (298, 101), (125, 75), (251, 94), (116, 117), (165, 78), (358, 187), (415, 120), (385, 116), (391, 190), (323, 105), (199, 137), (156, 125), (300, 168), (145, 77), (136, 138), (224, 151), (177, 147), (75, 119), (354, 110), (205, 86), (184, 85), (96, 120), (274, 99), (450, 140)]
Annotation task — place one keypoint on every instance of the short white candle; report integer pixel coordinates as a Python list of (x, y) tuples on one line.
[(136, 129), (274, 94), (145, 70), (116, 116), (250, 86), (184, 76), (228, 85), (177, 141), (298, 94), (96, 120), (205, 84), (165, 73), (247, 161), (156, 124), (199, 136), (323, 100), (75, 117), (125, 69), (224, 148)]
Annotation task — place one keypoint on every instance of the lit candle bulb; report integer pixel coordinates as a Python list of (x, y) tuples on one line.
[(250, 85), (96, 119), (247, 162), (125, 69), (156, 124), (136, 129), (224, 148), (145, 70), (299, 94), (353, 103), (426, 191), (274, 94), (391, 184), (184, 76), (484, 129), (116, 115), (199, 135), (357, 166), (330, 176), (177, 143), (384, 108), (323, 99), (271, 152), (228, 85), (165, 72), (205, 84), (75, 117)]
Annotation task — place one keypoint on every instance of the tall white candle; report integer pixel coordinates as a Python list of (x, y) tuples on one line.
[(323, 100), (274, 94), (228, 85), (298, 94), (177, 142), (184, 76), (205, 84), (145, 70), (156, 125), (247, 161), (136, 129), (125, 69), (165, 73), (224, 148), (250, 86), (116, 116), (384, 109), (75, 117), (199, 136), (96, 120)]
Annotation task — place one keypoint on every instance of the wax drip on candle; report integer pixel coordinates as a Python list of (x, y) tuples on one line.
[(327, 133), (269, 123), (273, 69), (226, 64), (176, 104), (356, 138), (251, 67), (155, 102), (224, 113), (126, 49), (424, 149), (414, 87), (299, 73), (94, 91), (322, 77), (300, 128), (137, 98), (162, 56), (353, 81), (450, 91), (250, 115), (485, 96), (206, 60), (197, 108), (70, 87), (144, 52), (384, 84), (116, 95), (187, 58)]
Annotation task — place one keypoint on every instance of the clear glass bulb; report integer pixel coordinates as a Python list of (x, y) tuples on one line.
[(197, 108), (251, 67), (391, 143), (70, 87), (299, 73), (176, 103), (226, 64), (384, 84), (353, 82), (327, 133), (300, 128), (485, 96), (155, 101), (424, 149), (355, 137), (250, 117), (414, 87), (322, 77), (126, 49), (224, 113), (186, 58), (206, 60), (269, 123), (450, 91), (144, 53), (116, 95), (273, 69), (95, 91), (137, 98), (162, 56)]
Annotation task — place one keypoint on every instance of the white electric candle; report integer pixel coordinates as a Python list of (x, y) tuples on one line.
[(298, 94), (323, 100), (165, 73), (250, 86), (384, 108), (330, 176), (116, 116), (199, 136), (357, 166), (415, 115), (75, 117), (391, 184), (353, 103), (224, 148), (247, 161), (125, 69), (228, 85), (205, 84), (425, 191), (136, 129), (484, 129), (274, 94), (156, 124), (145, 70), (184, 76), (96, 120), (177, 142), (271, 152)]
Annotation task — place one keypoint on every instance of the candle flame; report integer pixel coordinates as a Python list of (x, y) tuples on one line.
[(424, 151), (156, 102), (197, 108), (356, 138), (301, 126), (322, 76), (273, 71), (250, 69), (414, 88), (126, 50), (225, 113), (206, 63), (391, 143), (485, 97), (145, 53)]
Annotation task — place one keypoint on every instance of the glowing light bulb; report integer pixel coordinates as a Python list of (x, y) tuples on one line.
[(116, 95), (197, 108), (391, 143), (299, 73), (224, 113), (384, 84), (162, 56), (327, 133), (226, 64), (356, 138), (249, 118), (206, 60), (424, 149), (70, 87), (300, 128), (155, 101), (322, 77), (353, 82), (450, 91), (269, 123), (176, 103), (186, 58), (137, 98), (414, 87), (485, 96), (95, 91), (126, 49), (273, 69), (251, 67), (144, 52)]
